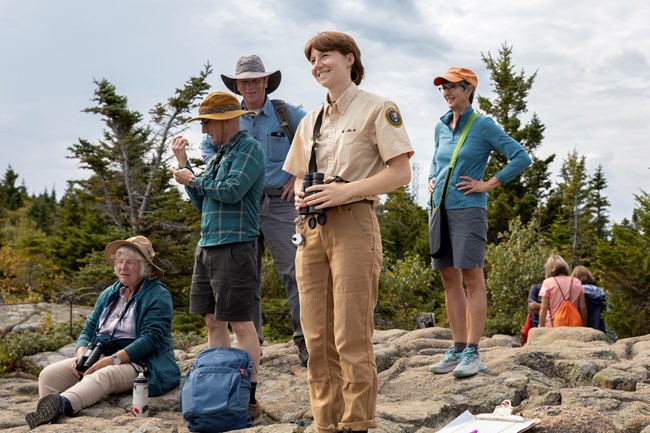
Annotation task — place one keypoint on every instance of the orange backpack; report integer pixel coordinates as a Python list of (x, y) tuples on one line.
[(567, 314)]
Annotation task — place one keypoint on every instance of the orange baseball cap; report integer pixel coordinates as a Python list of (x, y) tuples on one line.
[(455, 75)]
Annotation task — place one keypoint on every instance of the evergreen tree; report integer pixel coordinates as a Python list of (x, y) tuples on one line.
[(598, 204), (522, 195), (82, 229), (43, 209), (129, 164), (575, 193), (12, 196), (623, 268)]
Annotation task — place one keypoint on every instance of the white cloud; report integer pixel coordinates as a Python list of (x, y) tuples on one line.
[(592, 89)]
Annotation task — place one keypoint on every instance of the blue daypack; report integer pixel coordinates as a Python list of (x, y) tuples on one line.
[(216, 390)]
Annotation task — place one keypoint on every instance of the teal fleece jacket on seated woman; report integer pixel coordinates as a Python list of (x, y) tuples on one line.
[(153, 345), (484, 137)]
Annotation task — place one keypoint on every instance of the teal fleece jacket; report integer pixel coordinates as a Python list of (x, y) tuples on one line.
[(153, 345)]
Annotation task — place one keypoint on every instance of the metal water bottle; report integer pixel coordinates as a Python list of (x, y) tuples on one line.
[(141, 396)]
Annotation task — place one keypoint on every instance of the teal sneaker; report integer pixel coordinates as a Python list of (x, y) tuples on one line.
[(470, 363), (448, 363)]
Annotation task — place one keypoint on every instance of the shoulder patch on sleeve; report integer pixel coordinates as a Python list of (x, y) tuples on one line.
[(393, 117)]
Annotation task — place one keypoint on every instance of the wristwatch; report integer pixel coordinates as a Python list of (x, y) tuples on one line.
[(192, 181), (116, 359)]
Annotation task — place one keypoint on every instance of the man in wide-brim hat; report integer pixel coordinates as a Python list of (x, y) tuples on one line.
[(228, 194), (273, 125)]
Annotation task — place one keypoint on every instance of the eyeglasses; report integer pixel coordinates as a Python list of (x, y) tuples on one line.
[(205, 122), (450, 87)]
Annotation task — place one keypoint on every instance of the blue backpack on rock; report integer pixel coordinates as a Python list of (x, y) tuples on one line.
[(216, 390)]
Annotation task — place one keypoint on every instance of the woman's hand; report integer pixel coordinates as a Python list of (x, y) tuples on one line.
[(101, 363), (430, 185), (329, 194), (75, 372), (79, 352), (299, 200), (471, 186)]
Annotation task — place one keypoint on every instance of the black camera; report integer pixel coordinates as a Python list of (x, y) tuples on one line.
[(311, 179), (90, 356)]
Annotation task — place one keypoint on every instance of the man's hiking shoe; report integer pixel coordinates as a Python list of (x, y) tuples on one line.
[(470, 363), (254, 411), (48, 409), (448, 363), (302, 352)]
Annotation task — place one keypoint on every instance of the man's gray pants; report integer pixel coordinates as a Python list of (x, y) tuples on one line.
[(277, 227)]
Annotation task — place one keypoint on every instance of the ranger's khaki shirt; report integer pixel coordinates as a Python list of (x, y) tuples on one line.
[(359, 133)]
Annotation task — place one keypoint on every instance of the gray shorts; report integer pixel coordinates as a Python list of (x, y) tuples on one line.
[(225, 281), (468, 234)]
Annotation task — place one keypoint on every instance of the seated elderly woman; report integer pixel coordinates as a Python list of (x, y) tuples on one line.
[(131, 328)]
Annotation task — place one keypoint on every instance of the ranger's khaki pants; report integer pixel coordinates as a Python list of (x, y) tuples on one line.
[(337, 268)]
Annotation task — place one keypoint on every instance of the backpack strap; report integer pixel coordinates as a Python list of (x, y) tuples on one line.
[(283, 114), (558, 286)]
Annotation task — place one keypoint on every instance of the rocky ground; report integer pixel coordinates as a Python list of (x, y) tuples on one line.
[(572, 379)]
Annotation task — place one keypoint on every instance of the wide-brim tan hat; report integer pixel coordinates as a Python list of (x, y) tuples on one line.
[(140, 243), (248, 68), (219, 106)]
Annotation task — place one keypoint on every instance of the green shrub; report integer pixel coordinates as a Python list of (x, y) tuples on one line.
[(512, 266), (14, 348), (186, 340), (406, 287), (184, 322)]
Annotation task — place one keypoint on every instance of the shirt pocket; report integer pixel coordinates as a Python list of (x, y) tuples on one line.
[(355, 147), (277, 146)]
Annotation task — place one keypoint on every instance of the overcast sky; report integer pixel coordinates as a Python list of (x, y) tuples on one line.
[(592, 89)]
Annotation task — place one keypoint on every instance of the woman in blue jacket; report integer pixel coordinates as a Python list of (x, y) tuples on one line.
[(466, 206), (130, 331)]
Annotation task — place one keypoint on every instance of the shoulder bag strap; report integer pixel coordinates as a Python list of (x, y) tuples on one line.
[(316, 133), (454, 156), (283, 115)]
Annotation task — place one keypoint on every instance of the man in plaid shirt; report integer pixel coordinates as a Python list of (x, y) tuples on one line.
[(228, 195)]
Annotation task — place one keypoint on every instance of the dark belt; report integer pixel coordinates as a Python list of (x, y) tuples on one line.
[(364, 201), (273, 192)]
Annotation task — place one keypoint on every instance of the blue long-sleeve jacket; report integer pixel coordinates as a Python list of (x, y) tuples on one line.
[(484, 137)]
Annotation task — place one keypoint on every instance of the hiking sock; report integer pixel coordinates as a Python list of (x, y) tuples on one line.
[(475, 346), (67, 407), (459, 347), (253, 388)]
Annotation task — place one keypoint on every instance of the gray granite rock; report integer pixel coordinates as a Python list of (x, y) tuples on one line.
[(572, 379)]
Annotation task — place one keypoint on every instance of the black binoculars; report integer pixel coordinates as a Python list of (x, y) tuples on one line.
[(90, 356), (317, 215), (311, 179)]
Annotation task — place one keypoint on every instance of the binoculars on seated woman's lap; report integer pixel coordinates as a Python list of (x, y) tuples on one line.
[(91, 355)]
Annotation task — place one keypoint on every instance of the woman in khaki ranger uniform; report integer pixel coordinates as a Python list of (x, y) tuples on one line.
[(362, 150)]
